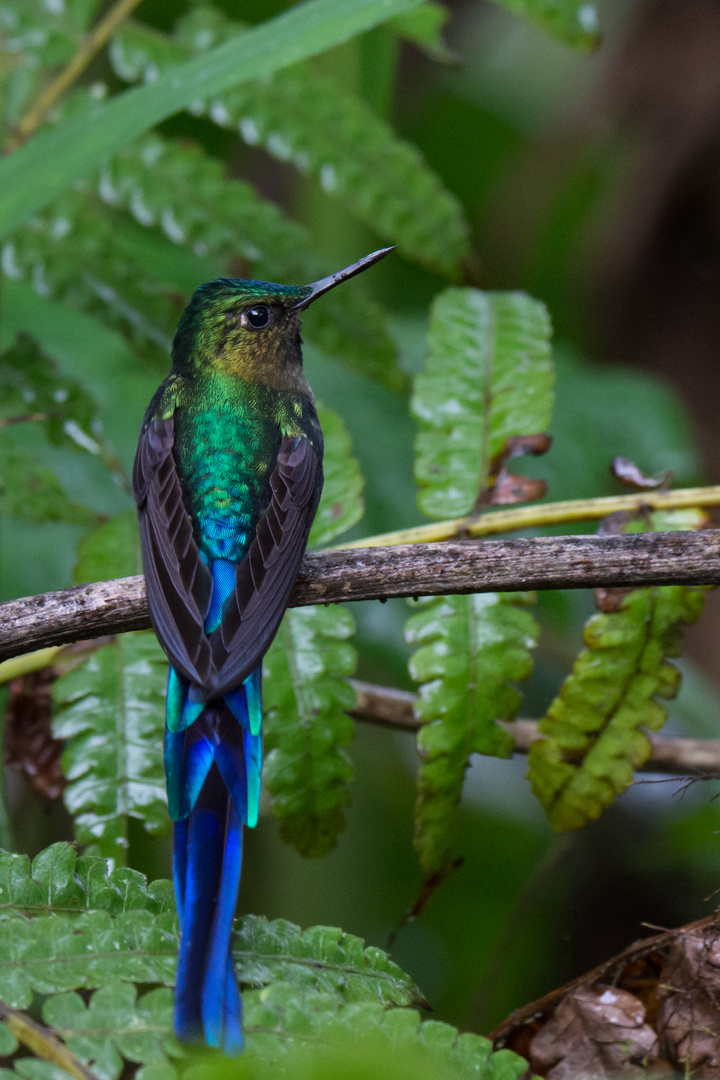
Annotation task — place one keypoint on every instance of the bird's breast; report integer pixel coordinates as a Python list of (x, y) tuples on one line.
[(225, 454)]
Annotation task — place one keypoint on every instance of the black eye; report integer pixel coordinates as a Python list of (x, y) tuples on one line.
[(258, 316)]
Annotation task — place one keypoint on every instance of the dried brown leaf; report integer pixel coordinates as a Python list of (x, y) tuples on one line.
[(595, 1032), (689, 1019), (512, 488), (629, 474), (29, 746), (505, 488)]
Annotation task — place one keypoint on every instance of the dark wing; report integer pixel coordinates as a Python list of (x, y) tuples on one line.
[(178, 583), (264, 578)]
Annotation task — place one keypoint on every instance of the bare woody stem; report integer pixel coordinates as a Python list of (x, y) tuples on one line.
[(329, 577), (394, 709), (91, 46)]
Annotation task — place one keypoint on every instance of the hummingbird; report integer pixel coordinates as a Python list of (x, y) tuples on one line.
[(227, 479)]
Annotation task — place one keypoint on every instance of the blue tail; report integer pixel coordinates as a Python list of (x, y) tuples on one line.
[(212, 763)]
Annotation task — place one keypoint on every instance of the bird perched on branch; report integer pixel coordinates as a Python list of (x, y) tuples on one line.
[(227, 479)]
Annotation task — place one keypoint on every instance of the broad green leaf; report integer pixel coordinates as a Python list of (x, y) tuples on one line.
[(39, 171), (111, 551), (110, 712), (574, 22), (595, 731), (311, 122), (307, 770), (30, 490), (488, 376), (341, 505), (52, 954), (470, 650), (423, 27)]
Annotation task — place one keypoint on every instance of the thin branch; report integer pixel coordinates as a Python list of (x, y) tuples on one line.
[(534, 517), (27, 418), (395, 709), (329, 577), (91, 46)]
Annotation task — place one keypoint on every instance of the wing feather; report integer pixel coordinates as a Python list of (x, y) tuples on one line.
[(264, 578), (179, 585)]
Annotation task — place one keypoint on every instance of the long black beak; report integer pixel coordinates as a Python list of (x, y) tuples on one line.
[(319, 287)]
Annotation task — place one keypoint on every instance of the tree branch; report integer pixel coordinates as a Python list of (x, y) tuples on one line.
[(328, 577), (395, 709)]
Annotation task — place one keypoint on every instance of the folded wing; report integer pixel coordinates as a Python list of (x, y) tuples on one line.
[(179, 584)]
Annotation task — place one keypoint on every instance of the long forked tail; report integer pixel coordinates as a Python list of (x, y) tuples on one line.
[(207, 857), (213, 777)]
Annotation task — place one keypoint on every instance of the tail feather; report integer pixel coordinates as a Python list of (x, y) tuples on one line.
[(209, 849), (213, 778)]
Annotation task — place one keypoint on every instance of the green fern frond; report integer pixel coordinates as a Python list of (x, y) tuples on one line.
[(310, 122), (100, 948), (307, 770), (35, 39), (488, 376), (189, 223), (469, 652), (59, 881), (595, 730), (341, 505), (110, 712), (180, 190)]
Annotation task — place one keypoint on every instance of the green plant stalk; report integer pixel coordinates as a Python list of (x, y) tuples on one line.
[(90, 48), (534, 517), (18, 666)]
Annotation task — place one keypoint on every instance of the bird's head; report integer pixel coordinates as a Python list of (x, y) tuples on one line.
[(251, 329)]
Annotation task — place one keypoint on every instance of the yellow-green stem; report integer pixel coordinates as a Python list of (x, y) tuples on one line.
[(43, 1044), (533, 517), (89, 49), (18, 666)]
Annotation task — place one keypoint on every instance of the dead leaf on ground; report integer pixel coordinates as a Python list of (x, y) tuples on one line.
[(595, 1032), (652, 1010)]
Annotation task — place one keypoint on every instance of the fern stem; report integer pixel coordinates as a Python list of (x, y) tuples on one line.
[(43, 1044), (533, 517), (91, 46)]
